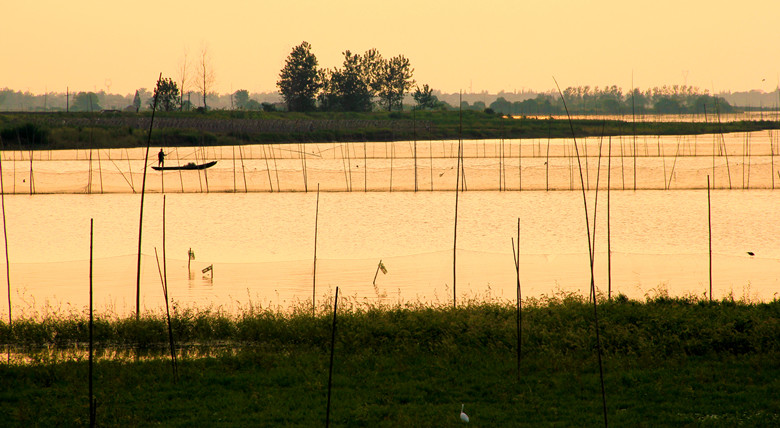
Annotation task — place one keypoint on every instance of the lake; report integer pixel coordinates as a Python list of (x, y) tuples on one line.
[(254, 223)]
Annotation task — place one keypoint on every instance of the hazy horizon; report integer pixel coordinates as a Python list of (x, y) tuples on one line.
[(504, 45)]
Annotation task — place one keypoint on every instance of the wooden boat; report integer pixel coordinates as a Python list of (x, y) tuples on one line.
[(190, 165)]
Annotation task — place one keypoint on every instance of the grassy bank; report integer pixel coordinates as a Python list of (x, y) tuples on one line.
[(667, 362), (47, 131)]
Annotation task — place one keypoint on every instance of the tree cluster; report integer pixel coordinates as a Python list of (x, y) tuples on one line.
[(611, 100), (363, 81)]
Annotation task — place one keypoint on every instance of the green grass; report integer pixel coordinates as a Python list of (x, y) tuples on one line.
[(667, 362), (48, 131)]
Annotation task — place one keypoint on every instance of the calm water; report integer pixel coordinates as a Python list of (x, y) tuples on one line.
[(261, 243), (261, 246)]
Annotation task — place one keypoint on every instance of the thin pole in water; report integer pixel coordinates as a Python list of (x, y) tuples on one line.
[(332, 352), (455, 232), (414, 134), (609, 235), (141, 215)]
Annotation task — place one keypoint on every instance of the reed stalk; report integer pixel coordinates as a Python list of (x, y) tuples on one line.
[(163, 280), (519, 302), (332, 353), (5, 239), (314, 270), (590, 254), (92, 402), (709, 231), (141, 215)]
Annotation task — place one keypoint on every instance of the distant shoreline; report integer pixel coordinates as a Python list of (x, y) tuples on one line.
[(60, 131)]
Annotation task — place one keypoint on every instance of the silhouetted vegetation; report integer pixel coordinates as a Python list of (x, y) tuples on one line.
[(611, 100), (669, 361)]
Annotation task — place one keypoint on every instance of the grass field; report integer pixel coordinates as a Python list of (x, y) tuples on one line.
[(667, 362), (51, 131)]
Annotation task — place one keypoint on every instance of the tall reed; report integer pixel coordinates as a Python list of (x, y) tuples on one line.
[(92, 403), (141, 215), (5, 239), (314, 270), (332, 353), (590, 254)]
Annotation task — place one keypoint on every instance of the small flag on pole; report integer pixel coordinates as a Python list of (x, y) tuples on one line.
[(191, 254), (382, 267), (207, 268)]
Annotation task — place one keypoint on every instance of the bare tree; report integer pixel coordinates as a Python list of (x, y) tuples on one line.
[(184, 74), (206, 76)]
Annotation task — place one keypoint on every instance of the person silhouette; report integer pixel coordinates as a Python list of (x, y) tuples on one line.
[(161, 158)]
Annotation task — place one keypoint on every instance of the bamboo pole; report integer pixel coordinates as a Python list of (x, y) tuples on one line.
[(546, 161), (243, 170), (430, 159), (141, 215), (609, 234), (233, 157), (332, 352), (633, 122), (723, 143), (268, 169), (455, 231), (365, 168), (414, 134)]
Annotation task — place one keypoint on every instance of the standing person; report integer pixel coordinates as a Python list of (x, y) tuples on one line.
[(161, 158)]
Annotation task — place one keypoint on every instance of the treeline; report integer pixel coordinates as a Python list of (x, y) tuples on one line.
[(11, 100), (363, 82), (611, 100)]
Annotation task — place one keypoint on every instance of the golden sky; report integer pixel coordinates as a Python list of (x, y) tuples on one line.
[(488, 45)]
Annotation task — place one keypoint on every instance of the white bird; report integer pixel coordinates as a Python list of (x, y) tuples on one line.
[(463, 417)]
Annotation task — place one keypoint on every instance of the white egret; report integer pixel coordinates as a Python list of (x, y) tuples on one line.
[(463, 417)]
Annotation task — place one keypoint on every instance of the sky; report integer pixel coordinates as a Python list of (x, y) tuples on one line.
[(453, 45)]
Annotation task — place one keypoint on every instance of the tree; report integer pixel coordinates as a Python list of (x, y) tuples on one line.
[(206, 76), (425, 98), (347, 89), (137, 101), (167, 94), (184, 75), (501, 105), (395, 79), (85, 101), (241, 99), (299, 80)]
